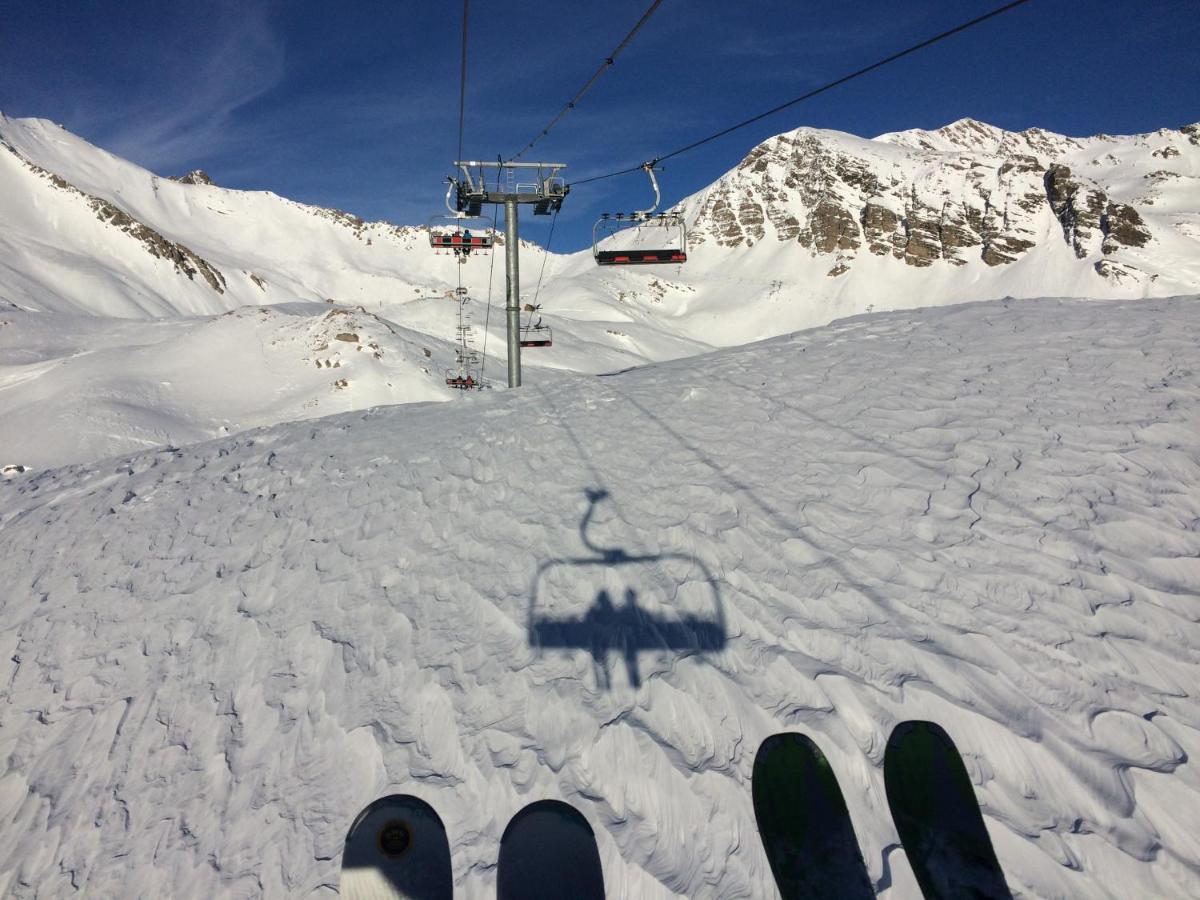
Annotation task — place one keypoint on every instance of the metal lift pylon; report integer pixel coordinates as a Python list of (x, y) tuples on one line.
[(545, 192)]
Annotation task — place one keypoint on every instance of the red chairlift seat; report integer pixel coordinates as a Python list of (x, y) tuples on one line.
[(461, 241), (535, 334), (461, 383), (639, 257), (538, 335)]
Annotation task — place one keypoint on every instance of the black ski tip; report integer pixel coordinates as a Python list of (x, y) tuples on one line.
[(397, 848), (804, 824), (548, 852), (937, 816)]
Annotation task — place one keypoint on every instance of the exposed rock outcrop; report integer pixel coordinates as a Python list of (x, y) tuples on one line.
[(923, 244), (879, 225), (196, 176), (833, 202), (1077, 206), (185, 261), (1087, 214), (965, 193), (1123, 226), (830, 227)]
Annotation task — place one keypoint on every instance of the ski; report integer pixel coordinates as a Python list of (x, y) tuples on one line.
[(397, 850), (937, 816), (549, 852), (804, 824)]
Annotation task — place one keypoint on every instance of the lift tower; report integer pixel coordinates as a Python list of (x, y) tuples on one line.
[(514, 183)]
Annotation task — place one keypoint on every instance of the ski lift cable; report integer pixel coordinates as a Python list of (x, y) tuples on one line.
[(462, 79), (978, 20), (488, 315), (604, 67), (487, 318), (550, 237)]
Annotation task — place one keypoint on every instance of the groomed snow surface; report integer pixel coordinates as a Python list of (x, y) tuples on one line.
[(986, 516)]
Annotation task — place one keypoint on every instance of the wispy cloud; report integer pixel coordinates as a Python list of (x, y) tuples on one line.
[(185, 107)]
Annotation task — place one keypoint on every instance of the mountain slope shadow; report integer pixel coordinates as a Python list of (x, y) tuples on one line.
[(628, 629)]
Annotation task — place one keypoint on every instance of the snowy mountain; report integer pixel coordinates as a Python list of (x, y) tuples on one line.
[(985, 516), (837, 224), (969, 211), (100, 259), (812, 226)]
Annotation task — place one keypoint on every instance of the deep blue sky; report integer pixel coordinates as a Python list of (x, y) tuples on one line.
[(355, 105)]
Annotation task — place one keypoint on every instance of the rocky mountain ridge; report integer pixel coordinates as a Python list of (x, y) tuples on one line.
[(185, 261), (966, 192)]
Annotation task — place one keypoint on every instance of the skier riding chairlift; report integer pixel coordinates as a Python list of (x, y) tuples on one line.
[(453, 232)]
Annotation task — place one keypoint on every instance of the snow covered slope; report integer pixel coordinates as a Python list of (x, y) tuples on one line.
[(81, 388), (984, 515), (91, 241), (812, 226), (88, 232), (93, 233)]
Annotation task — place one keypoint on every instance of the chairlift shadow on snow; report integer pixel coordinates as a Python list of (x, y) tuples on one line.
[(627, 627)]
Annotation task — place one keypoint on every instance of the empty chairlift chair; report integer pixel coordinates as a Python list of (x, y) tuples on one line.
[(537, 334), (671, 249)]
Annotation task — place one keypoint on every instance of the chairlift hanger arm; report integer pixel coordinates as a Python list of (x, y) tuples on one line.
[(648, 168)]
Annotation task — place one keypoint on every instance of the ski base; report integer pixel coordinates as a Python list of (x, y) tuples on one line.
[(549, 852), (397, 850), (937, 816), (804, 824)]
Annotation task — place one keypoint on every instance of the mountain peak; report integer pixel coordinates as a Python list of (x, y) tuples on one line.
[(196, 176), (972, 130)]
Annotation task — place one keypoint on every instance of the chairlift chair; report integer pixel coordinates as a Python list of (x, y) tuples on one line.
[(461, 234), (611, 224), (537, 335), (462, 231)]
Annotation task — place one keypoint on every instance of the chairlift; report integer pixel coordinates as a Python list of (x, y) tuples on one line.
[(461, 232), (461, 382), (537, 335), (673, 248)]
